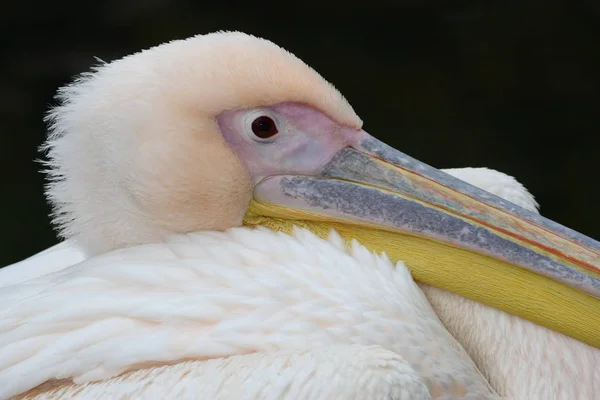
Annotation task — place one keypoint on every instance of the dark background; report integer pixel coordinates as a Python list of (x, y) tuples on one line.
[(508, 85)]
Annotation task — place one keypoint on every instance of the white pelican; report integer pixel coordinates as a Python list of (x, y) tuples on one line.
[(157, 159)]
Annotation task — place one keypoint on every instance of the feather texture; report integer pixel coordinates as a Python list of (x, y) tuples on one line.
[(213, 294), (52, 259), (333, 372)]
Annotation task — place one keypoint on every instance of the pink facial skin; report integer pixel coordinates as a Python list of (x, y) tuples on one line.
[(306, 140)]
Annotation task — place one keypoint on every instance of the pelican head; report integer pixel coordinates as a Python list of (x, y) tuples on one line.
[(162, 141), (223, 129)]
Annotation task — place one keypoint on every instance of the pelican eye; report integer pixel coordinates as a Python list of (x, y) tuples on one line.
[(264, 127)]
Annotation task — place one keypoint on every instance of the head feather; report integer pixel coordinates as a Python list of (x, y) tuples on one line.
[(130, 142)]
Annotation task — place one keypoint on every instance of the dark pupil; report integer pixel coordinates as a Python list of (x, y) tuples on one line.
[(264, 127)]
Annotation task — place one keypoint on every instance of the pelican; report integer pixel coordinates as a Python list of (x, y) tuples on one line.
[(231, 231)]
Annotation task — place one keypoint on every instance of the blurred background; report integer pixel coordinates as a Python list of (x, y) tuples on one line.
[(511, 85)]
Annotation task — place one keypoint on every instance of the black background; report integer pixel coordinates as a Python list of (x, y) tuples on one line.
[(509, 85)]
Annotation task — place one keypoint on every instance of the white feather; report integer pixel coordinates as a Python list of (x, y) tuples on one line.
[(327, 373), (52, 259), (208, 295)]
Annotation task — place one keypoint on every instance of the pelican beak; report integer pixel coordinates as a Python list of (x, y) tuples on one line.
[(450, 234)]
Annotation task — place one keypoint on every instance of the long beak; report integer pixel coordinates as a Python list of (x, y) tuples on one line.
[(450, 234)]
